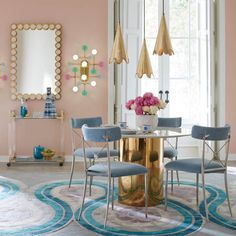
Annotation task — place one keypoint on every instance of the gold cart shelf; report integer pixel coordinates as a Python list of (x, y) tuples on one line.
[(14, 158)]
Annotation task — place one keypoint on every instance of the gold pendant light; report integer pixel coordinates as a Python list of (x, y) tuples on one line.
[(144, 63), (163, 43), (118, 50)]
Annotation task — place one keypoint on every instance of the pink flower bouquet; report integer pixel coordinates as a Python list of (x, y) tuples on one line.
[(146, 105)]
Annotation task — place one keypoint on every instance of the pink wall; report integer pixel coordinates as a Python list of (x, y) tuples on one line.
[(231, 69), (82, 22)]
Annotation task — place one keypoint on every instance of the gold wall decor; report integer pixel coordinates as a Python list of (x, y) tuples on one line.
[(83, 70), (35, 60)]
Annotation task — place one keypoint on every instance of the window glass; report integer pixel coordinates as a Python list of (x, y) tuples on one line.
[(179, 63), (151, 18), (185, 74), (179, 18)]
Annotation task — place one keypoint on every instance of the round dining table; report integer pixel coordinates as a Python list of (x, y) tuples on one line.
[(145, 149)]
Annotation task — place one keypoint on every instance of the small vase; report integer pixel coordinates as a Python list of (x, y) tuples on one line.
[(37, 152), (142, 120)]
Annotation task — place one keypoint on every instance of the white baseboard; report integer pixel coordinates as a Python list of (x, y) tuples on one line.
[(4, 158), (68, 158), (232, 157)]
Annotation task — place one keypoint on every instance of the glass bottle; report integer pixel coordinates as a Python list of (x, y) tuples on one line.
[(50, 108), (23, 108)]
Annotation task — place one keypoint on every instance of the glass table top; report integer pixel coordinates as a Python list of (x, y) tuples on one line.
[(160, 132)]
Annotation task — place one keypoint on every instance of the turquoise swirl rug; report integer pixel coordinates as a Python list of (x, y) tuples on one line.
[(49, 207), (25, 212)]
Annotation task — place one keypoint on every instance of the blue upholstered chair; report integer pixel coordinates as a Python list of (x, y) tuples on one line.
[(92, 151), (170, 151), (203, 165), (110, 169)]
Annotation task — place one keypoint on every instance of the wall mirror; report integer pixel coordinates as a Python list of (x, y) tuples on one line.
[(35, 60)]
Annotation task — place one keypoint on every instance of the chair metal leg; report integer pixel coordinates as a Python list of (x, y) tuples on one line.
[(172, 178), (90, 185), (90, 180), (108, 199), (177, 173), (146, 194), (84, 193), (204, 196), (72, 170), (177, 176), (112, 194), (227, 193), (197, 189), (166, 190)]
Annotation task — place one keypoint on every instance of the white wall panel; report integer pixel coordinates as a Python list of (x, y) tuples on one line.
[(132, 30)]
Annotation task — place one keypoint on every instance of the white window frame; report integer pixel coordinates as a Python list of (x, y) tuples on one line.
[(217, 6)]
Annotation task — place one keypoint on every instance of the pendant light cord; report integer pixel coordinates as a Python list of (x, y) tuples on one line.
[(116, 12), (163, 5), (118, 6), (144, 15)]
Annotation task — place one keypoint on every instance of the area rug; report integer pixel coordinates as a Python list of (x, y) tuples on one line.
[(178, 220), (215, 201), (182, 217), (48, 207), (24, 212)]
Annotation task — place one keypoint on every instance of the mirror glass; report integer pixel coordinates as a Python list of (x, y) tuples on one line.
[(35, 60)]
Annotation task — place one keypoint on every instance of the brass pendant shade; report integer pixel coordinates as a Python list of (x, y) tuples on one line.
[(118, 50), (163, 43), (144, 63)]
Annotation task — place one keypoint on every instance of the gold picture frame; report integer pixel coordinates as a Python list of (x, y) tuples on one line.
[(19, 40)]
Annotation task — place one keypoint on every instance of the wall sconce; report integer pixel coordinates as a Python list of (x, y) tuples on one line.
[(3, 74), (83, 69)]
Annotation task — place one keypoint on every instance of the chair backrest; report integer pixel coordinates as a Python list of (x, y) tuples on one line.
[(170, 122), (173, 122), (101, 134), (77, 123), (211, 133), (219, 135)]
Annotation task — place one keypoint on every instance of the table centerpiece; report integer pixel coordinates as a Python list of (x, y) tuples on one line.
[(146, 108)]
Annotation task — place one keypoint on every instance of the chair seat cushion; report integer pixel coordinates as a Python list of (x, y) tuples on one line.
[(95, 151), (192, 165), (170, 152), (118, 169)]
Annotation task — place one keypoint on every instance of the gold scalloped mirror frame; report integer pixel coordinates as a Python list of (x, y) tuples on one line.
[(13, 66)]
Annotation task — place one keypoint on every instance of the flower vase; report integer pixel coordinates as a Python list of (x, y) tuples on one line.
[(142, 120)]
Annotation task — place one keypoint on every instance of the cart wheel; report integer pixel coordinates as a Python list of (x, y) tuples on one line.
[(61, 164), (8, 164)]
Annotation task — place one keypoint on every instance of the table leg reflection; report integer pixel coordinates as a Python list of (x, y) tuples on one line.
[(147, 152)]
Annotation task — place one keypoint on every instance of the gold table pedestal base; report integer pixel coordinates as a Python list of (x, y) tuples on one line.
[(147, 152)]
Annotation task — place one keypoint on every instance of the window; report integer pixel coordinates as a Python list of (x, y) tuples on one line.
[(187, 74)]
